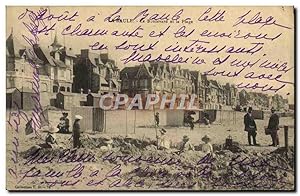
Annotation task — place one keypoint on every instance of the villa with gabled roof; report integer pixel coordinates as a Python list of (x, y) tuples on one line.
[(96, 73)]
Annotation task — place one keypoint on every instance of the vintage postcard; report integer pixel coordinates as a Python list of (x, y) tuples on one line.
[(150, 98)]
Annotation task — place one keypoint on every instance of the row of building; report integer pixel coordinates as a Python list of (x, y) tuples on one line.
[(61, 71)]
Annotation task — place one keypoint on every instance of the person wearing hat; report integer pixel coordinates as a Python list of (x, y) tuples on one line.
[(107, 144), (51, 137), (156, 119), (185, 144), (129, 145), (76, 132), (207, 147), (163, 143), (128, 138), (273, 126), (50, 140), (250, 127), (206, 119)]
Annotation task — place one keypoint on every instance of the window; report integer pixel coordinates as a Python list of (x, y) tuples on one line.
[(62, 88), (44, 87), (68, 89), (55, 89)]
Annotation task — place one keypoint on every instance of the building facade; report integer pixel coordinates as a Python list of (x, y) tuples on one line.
[(156, 78), (231, 95), (20, 67), (61, 67), (96, 73), (199, 87)]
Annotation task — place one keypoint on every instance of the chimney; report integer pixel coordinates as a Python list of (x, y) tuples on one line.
[(84, 53), (104, 57)]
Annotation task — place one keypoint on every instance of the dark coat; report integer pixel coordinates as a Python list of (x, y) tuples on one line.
[(157, 117), (273, 122), (249, 122), (76, 134)]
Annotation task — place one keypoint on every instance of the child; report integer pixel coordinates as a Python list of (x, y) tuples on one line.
[(207, 147)]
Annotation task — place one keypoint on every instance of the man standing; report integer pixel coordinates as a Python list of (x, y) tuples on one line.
[(156, 119), (67, 122), (191, 121), (250, 127), (76, 132), (273, 126)]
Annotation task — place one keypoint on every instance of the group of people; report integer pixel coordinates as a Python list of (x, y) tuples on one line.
[(184, 145), (62, 127), (271, 129), (162, 142), (64, 124)]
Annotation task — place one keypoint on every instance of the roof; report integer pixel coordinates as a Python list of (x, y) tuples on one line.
[(43, 54), (214, 83), (66, 93), (70, 53), (115, 81), (26, 90), (31, 57), (93, 57), (195, 74), (154, 68), (59, 63), (55, 42), (129, 72), (13, 47), (94, 95), (146, 67), (11, 90), (111, 62), (103, 81)]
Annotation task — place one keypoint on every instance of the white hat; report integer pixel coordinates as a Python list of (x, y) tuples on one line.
[(206, 138), (129, 136), (52, 129), (163, 131), (78, 117)]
